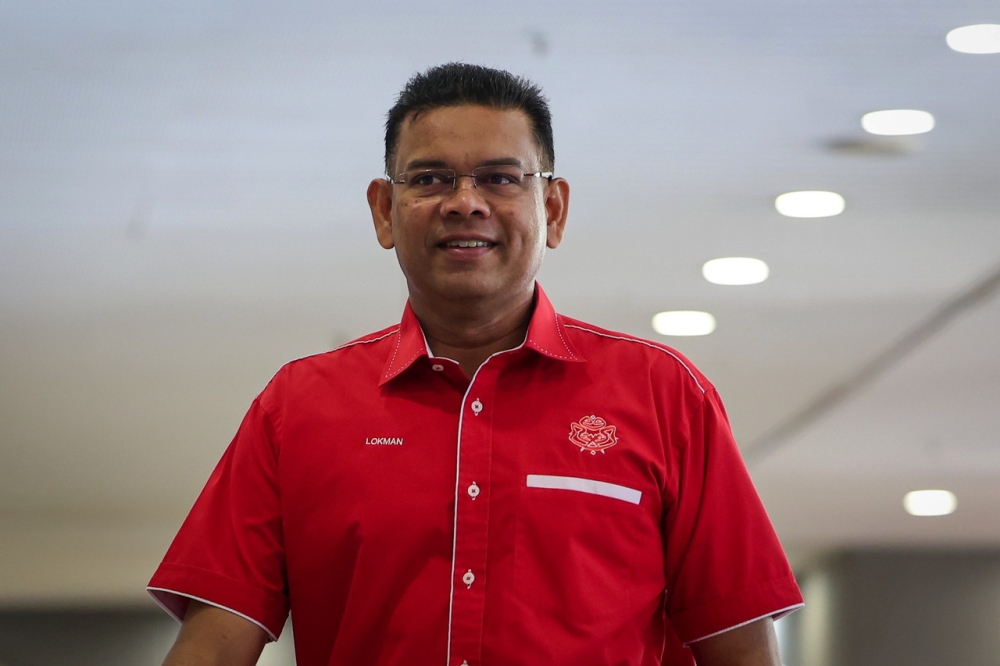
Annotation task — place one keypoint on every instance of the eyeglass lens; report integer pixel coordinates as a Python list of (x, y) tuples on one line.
[(495, 180)]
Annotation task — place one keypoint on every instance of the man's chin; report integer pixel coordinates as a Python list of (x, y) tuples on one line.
[(460, 292), (463, 289)]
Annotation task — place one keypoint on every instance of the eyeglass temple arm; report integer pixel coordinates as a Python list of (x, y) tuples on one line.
[(539, 174)]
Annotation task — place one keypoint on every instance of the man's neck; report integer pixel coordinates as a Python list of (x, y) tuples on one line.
[(472, 332)]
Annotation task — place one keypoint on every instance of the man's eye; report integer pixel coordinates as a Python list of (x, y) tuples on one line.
[(500, 178), (429, 179)]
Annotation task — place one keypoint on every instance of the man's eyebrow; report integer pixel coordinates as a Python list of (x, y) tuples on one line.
[(426, 164), (503, 161), (441, 164)]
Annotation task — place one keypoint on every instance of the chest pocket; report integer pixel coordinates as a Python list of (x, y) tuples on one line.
[(587, 551), (581, 485)]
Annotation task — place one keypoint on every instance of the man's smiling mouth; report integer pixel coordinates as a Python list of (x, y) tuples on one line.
[(467, 243)]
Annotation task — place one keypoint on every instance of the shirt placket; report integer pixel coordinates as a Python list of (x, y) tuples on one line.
[(475, 440)]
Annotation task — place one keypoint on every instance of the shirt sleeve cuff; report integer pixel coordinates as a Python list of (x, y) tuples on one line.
[(773, 599), (175, 585)]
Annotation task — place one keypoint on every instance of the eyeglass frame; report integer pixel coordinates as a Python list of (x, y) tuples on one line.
[(549, 175)]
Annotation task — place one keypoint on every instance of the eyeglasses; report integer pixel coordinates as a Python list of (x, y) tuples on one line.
[(500, 181)]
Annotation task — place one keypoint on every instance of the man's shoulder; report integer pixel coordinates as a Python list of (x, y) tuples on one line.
[(598, 344), (357, 358), (371, 344)]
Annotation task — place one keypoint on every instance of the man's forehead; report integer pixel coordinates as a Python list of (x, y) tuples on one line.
[(467, 127), (415, 116)]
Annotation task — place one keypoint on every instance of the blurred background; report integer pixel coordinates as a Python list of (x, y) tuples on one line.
[(182, 210)]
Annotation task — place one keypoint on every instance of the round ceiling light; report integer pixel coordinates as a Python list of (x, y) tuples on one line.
[(897, 122), (810, 203), (982, 38), (930, 502), (683, 322), (735, 270)]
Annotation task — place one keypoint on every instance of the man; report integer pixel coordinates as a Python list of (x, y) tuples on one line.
[(488, 482)]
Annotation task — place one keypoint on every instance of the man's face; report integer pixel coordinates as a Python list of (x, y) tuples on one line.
[(469, 244)]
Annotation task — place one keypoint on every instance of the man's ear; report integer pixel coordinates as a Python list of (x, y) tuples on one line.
[(380, 203), (556, 210)]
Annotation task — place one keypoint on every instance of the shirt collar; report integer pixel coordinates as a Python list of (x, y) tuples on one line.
[(545, 336)]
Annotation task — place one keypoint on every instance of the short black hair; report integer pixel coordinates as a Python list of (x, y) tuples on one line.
[(458, 84)]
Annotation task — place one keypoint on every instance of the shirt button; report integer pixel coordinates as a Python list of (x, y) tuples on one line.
[(477, 407), (469, 578), (473, 490), (437, 367)]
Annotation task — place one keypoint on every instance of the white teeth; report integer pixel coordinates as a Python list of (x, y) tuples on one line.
[(464, 243)]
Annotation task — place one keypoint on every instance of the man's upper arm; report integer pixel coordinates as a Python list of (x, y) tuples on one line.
[(724, 563), (211, 636), (230, 549), (753, 644)]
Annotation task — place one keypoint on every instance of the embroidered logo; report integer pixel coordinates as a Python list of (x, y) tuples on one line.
[(384, 441), (592, 433)]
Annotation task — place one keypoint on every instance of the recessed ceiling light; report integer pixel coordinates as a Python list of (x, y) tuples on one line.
[(735, 270), (982, 38), (810, 203), (683, 322), (930, 503), (897, 122)]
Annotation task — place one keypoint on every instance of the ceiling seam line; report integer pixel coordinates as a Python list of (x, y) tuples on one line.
[(779, 436)]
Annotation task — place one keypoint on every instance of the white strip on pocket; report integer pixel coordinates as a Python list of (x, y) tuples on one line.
[(585, 486)]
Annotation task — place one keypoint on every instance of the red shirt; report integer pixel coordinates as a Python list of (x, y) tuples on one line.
[(579, 501)]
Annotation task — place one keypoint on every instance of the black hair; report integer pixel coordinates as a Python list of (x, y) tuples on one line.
[(458, 84)]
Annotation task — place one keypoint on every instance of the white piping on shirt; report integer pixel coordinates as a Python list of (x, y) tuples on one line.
[(458, 472), (640, 341), (162, 604), (366, 342), (775, 614), (454, 529), (458, 478)]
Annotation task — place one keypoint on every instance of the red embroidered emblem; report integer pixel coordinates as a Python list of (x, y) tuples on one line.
[(592, 433)]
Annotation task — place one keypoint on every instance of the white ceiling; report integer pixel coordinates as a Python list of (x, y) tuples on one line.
[(182, 210)]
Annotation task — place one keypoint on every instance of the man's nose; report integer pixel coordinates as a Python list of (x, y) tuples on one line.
[(465, 199)]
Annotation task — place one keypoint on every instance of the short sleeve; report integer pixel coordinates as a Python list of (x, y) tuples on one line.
[(229, 551), (724, 564)]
